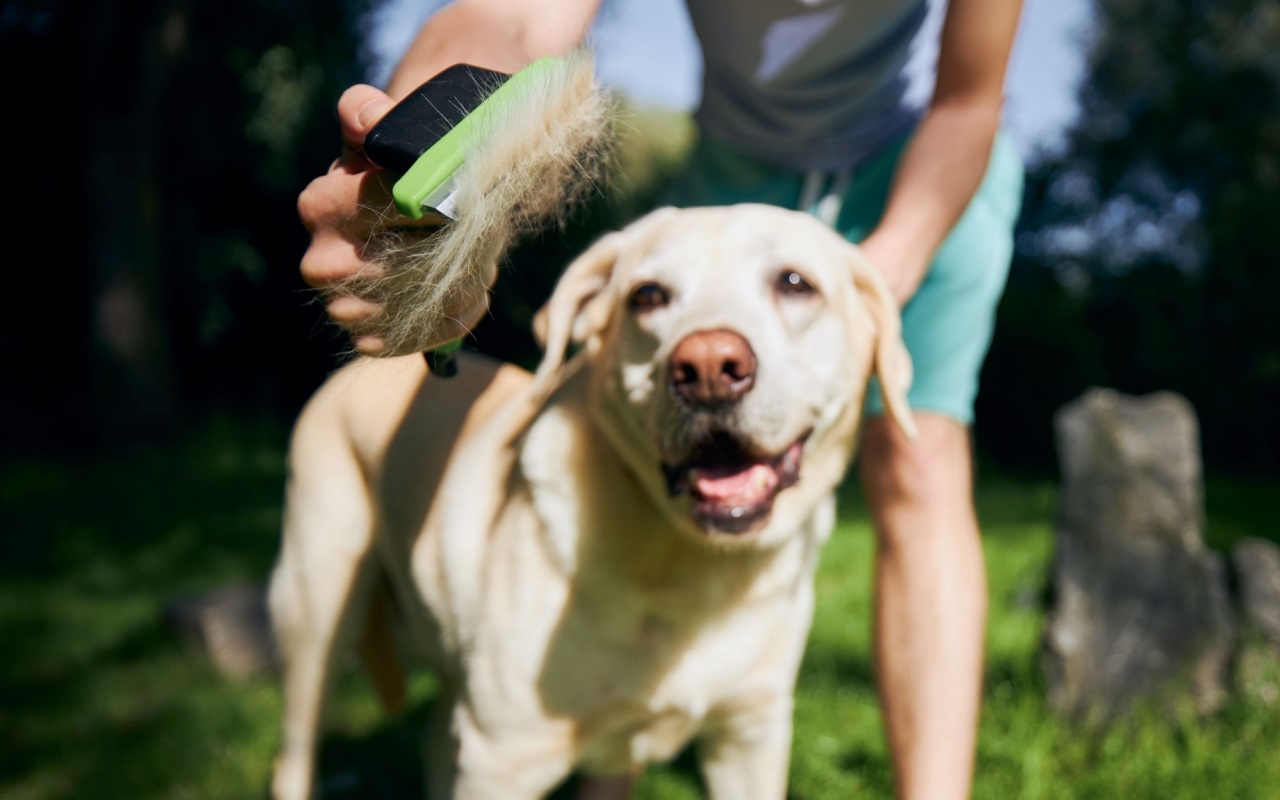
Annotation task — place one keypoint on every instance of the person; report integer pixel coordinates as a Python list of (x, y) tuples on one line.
[(806, 103)]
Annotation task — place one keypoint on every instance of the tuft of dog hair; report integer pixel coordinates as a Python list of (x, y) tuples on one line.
[(534, 160)]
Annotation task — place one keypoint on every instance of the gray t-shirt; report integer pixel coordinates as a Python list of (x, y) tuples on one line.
[(809, 84)]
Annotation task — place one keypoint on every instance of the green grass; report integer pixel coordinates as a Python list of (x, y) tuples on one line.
[(98, 698)]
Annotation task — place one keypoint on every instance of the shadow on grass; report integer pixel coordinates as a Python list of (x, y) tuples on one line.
[(384, 764), (98, 698), (387, 763), (213, 500)]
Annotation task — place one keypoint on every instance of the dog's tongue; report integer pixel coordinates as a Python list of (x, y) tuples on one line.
[(734, 485)]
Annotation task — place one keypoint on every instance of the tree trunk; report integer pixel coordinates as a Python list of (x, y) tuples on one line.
[(129, 50)]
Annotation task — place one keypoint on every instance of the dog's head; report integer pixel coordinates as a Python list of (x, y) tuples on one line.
[(729, 351)]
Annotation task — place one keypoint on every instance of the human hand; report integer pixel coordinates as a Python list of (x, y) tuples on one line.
[(345, 210), (899, 262)]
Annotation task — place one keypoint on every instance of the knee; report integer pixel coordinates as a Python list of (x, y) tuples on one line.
[(909, 483), (896, 469)]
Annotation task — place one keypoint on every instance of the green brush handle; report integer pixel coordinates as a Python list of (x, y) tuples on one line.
[(443, 361), (428, 183)]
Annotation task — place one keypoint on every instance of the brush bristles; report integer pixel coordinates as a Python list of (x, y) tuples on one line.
[(534, 160)]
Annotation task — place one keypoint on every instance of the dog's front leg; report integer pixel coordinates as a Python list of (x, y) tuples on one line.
[(498, 763), (313, 619), (317, 593), (745, 750)]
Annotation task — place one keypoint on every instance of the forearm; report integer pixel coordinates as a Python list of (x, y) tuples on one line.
[(504, 35), (937, 177), (944, 165)]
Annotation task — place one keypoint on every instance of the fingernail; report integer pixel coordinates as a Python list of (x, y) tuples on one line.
[(370, 113)]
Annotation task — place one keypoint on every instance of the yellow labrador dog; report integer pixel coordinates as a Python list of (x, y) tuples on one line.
[(612, 557)]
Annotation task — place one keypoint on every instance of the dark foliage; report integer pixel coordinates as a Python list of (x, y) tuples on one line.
[(1146, 258), (153, 241)]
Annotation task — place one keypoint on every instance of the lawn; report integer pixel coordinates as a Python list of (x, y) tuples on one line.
[(99, 698)]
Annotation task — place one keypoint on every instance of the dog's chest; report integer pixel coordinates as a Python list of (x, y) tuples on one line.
[(651, 632), (638, 674), (643, 696), (656, 736)]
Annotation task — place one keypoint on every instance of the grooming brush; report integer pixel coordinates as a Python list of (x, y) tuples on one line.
[(490, 156)]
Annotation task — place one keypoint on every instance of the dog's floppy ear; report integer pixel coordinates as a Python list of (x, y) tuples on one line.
[(892, 362), (570, 316), (579, 308)]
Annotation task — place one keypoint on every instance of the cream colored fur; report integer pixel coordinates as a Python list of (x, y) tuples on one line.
[(579, 616), (531, 162)]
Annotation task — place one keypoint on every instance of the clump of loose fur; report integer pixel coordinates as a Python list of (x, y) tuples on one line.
[(535, 159)]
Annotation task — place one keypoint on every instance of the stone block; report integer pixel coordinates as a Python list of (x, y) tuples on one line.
[(1140, 606)]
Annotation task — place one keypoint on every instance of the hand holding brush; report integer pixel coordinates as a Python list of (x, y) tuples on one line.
[(479, 158)]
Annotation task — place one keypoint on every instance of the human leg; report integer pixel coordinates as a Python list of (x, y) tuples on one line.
[(930, 600), (930, 594)]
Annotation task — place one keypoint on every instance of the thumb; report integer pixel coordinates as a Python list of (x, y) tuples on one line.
[(359, 109)]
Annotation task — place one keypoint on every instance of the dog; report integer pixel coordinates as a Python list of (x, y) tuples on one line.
[(614, 556)]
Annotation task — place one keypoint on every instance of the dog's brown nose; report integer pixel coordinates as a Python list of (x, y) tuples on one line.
[(712, 367)]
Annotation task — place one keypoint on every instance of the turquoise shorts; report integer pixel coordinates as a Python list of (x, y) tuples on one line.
[(947, 325)]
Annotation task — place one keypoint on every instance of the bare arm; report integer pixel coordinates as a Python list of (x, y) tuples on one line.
[(498, 34), (341, 208), (947, 158)]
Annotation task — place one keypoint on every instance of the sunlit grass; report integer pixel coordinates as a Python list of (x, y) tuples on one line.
[(99, 699)]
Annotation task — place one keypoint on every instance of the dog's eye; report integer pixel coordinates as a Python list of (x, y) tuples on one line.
[(790, 282), (648, 296)]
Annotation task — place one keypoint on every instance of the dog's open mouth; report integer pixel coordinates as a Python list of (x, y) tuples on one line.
[(732, 487)]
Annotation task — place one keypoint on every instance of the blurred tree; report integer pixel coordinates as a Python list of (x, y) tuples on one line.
[(132, 50), (154, 243), (1156, 223), (249, 120)]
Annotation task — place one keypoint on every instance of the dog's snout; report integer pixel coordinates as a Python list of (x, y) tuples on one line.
[(712, 367)]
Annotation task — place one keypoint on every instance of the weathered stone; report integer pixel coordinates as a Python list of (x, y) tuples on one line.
[(1256, 563), (1141, 609), (231, 626)]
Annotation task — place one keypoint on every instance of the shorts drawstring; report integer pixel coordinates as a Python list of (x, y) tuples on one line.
[(813, 180), (825, 206)]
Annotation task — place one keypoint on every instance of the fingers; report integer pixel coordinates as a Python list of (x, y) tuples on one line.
[(350, 310), (360, 319), (369, 345), (330, 259), (359, 109), (346, 207), (352, 202), (462, 320)]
